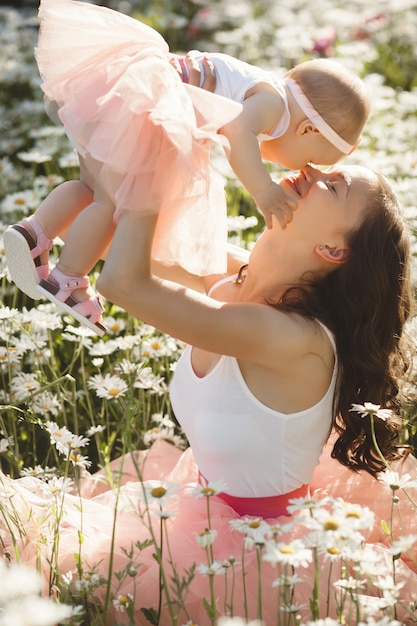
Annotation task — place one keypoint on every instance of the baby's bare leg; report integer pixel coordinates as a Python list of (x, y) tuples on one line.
[(89, 234), (59, 209)]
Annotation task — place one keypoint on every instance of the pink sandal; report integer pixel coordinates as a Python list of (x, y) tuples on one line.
[(23, 253), (88, 312)]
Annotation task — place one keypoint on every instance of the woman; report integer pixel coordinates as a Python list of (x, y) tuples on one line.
[(281, 350), (312, 325), (342, 265)]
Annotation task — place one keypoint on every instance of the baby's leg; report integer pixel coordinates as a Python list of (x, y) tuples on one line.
[(60, 208), (87, 238), (68, 285)]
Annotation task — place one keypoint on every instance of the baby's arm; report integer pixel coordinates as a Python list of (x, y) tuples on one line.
[(261, 112)]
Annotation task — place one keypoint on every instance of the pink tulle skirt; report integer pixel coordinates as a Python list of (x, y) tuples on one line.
[(121, 543), (147, 135)]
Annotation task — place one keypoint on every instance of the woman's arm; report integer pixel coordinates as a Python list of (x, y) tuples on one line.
[(249, 331), (236, 257)]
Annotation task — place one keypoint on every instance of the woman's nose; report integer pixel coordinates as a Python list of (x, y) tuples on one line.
[(309, 173)]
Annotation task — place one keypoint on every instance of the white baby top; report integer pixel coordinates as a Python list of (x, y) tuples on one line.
[(234, 78), (255, 450)]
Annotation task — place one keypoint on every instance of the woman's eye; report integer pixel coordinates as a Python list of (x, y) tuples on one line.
[(330, 185)]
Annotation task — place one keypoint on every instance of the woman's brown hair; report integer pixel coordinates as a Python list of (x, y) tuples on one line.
[(366, 302)]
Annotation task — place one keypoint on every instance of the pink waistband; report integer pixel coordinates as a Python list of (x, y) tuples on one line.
[(184, 69), (271, 506)]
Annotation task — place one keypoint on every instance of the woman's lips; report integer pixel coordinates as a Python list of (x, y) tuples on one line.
[(294, 184)]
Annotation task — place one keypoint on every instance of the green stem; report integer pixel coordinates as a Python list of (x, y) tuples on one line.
[(259, 594)]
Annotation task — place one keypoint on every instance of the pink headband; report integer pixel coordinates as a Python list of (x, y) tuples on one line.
[(315, 117)]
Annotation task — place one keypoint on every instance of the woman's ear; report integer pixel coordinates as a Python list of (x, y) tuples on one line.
[(306, 126), (333, 254)]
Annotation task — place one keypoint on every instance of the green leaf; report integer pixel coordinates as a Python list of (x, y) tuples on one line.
[(209, 609), (151, 615)]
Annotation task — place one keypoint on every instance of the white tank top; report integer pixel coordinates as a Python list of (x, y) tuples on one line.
[(257, 451), (234, 78)]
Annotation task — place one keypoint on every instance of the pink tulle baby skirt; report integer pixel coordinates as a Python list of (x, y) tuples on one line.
[(144, 134), (239, 580)]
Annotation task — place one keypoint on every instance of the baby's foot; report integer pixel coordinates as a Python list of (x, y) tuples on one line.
[(74, 295), (27, 252)]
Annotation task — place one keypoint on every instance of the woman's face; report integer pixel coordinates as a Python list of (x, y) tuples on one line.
[(330, 204)]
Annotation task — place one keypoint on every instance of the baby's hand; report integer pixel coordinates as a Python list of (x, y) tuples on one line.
[(190, 72), (272, 200)]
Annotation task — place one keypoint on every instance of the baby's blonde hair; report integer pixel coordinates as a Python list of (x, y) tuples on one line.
[(336, 93)]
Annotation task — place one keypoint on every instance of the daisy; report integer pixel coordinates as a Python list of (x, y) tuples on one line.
[(38, 471), (127, 343), (72, 337), (61, 437), (80, 332), (208, 488), (35, 156), (22, 202), (368, 409), (146, 379), (123, 602), (24, 384), (306, 502), (78, 441), (395, 482), (254, 528), (350, 584), (108, 386), (167, 434), (403, 544), (286, 580), (206, 537), (44, 319), (35, 611), (6, 313), (390, 589), (163, 420), (158, 346), (356, 516), (9, 356), (29, 343), (47, 182), (94, 430), (157, 492), (56, 487), (127, 367), (211, 570), (103, 348), (114, 326), (78, 459), (292, 608), (88, 582), (17, 581), (45, 403), (293, 553), (368, 562), (5, 443)]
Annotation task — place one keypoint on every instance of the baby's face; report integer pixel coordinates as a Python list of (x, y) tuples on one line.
[(295, 152)]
